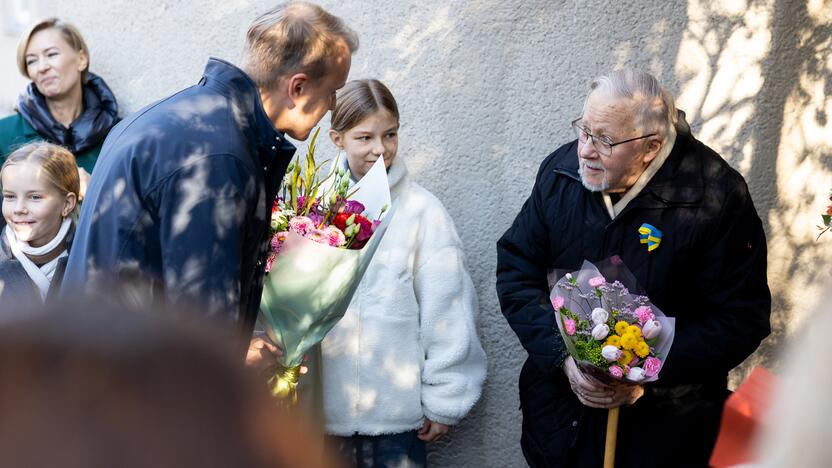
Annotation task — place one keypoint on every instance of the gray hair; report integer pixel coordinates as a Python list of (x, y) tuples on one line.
[(294, 37), (653, 106)]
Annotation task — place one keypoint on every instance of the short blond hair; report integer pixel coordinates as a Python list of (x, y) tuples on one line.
[(294, 37), (70, 34), (57, 162)]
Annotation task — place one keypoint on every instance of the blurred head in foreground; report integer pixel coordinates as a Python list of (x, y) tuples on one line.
[(89, 386)]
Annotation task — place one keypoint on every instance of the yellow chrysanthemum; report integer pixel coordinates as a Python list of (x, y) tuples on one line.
[(626, 358), (614, 340), (629, 341), (621, 327), (642, 350), (634, 330)]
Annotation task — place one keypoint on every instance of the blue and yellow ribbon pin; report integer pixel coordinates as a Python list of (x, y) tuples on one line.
[(648, 234)]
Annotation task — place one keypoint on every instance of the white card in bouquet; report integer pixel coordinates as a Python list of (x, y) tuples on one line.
[(373, 190)]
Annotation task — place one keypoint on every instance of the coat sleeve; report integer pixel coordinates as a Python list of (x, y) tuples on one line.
[(454, 365), (202, 215), (522, 261), (733, 290)]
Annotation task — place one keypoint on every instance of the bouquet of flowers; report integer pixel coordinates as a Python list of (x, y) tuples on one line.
[(324, 234), (827, 219), (610, 332)]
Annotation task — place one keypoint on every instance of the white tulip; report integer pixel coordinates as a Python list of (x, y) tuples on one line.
[(600, 331), (636, 374), (651, 329), (610, 353), (600, 315)]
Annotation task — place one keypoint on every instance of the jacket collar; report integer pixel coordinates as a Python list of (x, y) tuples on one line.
[(679, 182), (248, 108), (99, 114)]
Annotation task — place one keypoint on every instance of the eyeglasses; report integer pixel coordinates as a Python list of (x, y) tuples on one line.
[(602, 144)]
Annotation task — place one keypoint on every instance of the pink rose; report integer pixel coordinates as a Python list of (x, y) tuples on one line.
[(644, 313), (557, 302), (616, 372), (569, 324), (652, 366), (597, 281)]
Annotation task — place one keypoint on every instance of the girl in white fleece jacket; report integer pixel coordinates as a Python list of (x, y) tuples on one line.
[(405, 362)]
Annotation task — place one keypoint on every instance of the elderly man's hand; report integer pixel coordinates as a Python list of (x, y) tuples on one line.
[(595, 394)]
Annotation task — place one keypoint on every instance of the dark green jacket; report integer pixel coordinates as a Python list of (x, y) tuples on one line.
[(15, 132)]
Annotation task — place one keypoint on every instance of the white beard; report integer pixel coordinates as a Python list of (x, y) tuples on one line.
[(604, 185)]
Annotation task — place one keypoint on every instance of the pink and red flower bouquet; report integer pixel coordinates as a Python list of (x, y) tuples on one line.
[(325, 230)]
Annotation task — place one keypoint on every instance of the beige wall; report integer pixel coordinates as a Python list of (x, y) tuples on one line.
[(14, 15), (487, 89)]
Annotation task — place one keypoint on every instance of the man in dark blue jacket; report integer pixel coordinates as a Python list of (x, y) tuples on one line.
[(635, 162), (178, 208)]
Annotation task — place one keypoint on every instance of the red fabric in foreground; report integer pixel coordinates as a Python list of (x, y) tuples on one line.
[(742, 419)]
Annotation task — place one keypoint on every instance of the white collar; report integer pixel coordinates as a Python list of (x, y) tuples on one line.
[(641, 182)]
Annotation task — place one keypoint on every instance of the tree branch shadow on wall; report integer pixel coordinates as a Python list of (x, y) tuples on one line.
[(795, 53)]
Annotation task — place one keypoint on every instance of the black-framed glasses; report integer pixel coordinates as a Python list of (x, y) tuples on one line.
[(602, 144)]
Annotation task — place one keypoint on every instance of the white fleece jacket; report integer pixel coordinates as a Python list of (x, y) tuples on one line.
[(407, 347)]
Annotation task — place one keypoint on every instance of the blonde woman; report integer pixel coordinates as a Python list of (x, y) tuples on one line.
[(65, 103)]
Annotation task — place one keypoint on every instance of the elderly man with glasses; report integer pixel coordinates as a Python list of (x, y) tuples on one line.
[(635, 162)]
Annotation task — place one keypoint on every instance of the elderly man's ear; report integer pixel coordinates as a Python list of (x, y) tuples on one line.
[(653, 145)]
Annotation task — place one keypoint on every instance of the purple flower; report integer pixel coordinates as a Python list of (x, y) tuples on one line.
[(317, 218), (616, 372), (353, 206), (641, 300), (622, 290)]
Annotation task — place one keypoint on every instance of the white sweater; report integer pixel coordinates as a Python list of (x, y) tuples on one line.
[(407, 347)]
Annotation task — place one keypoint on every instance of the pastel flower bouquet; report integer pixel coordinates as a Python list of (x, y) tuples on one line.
[(324, 234), (611, 333)]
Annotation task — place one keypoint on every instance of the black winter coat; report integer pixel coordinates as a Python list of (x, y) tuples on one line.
[(178, 207), (709, 272)]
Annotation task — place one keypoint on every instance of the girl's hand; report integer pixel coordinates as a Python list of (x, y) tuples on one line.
[(432, 431)]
